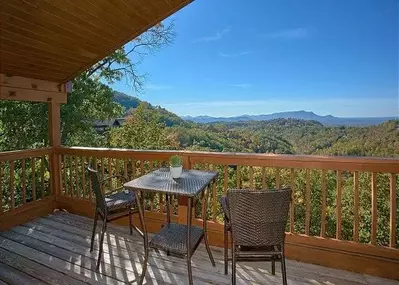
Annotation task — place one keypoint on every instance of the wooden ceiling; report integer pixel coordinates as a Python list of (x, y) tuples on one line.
[(55, 40)]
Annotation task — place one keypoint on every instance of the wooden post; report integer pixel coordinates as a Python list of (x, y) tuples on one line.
[(54, 131)]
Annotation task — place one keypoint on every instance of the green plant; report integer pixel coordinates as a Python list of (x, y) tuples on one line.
[(175, 161)]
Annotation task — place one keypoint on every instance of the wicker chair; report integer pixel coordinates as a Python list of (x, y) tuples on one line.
[(256, 221), (110, 207)]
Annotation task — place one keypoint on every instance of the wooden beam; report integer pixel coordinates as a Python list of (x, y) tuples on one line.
[(30, 83), (21, 94), (28, 89)]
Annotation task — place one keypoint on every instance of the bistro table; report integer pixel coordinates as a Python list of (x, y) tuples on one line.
[(174, 238)]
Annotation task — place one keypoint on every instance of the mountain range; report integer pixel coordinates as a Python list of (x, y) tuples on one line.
[(302, 115), (131, 102)]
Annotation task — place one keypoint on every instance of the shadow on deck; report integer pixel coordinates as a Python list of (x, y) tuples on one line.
[(55, 250)]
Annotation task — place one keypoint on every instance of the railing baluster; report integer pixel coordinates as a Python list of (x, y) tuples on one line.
[(214, 198), (251, 177), (392, 221), (33, 179), (374, 208), (102, 173), (263, 178), (110, 173), (65, 175), (238, 176), (1, 186), (72, 194), (225, 179), (278, 178), (308, 202), (23, 181), (152, 193), (292, 204), (356, 206), (118, 171), (12, 190), (339, 208), (90, 187), (77, 177), (323, 203), (42, 176), (142, 168), (133, 169), (84, 193), (125, 168)]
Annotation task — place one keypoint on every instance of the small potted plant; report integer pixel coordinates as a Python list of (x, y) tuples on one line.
[(176, 167)]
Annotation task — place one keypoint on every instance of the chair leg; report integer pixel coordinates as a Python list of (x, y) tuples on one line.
[(226, 249), (233, 264), (101, 243), (145, 236), (273, 265), (94, 230), (283, 268), (130, 223)]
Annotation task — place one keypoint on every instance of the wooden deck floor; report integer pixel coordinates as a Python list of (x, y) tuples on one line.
[(55, 250)]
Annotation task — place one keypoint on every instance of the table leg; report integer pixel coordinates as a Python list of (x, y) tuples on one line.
[(205, 226), (190, 274), (140, 199), (167, 215), (167, 208)]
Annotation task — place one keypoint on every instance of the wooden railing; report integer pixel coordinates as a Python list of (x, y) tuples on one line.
[(342, 198), (24, 184), (343, 214)]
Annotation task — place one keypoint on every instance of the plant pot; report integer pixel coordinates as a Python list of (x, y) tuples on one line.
[(176, 171)]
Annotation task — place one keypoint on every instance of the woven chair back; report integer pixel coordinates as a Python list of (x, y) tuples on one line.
[(95, 184), (258, 218)]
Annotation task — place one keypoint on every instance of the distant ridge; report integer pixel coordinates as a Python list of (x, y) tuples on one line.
[(302, 115)]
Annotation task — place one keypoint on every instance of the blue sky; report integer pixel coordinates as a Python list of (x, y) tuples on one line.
[(233, 57)]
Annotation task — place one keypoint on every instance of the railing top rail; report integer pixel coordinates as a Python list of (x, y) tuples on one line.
[(371, 164), (26, 153)]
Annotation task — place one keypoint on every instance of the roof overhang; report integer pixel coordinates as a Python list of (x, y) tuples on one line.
[(56, 40)]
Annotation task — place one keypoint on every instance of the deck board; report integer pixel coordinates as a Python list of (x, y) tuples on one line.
[(55, 250)]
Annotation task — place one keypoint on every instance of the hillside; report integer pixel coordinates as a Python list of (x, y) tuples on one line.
[(130, 103), (301, 115), (288, 136)]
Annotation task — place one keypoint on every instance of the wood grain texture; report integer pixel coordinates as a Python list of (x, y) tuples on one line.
[(225, 179), (12, 186), (26, 212), (338, 211), (323, 203), (60, 39), (364, 164), (42, 170), (264, 178), (278, 176), (356, 206), (292, 204), (20, 154), (308, 203), (1, 186), (64, 238), (33, 166), (23, 180), (393, 210), (374, 208)]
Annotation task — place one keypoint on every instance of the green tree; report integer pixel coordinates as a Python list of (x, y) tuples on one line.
[(142, 130)]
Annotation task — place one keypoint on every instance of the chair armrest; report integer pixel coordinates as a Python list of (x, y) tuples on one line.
[(225, 207)]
